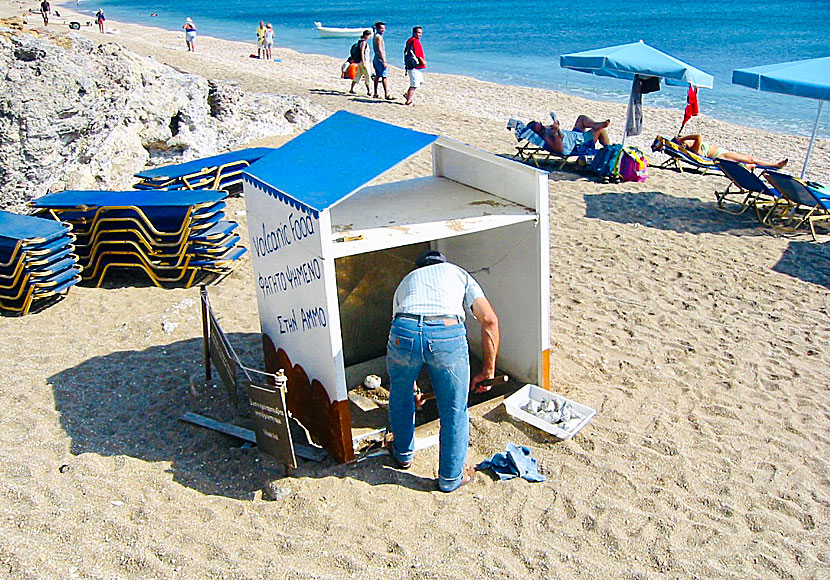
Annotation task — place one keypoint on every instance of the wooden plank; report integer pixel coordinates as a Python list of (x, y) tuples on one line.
[(305, 451), (221, 357), (226, 428)]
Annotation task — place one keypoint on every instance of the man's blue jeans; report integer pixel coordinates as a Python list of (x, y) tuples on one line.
[(443, 349)]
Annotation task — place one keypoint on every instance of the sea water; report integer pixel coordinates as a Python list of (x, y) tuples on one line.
[(519, 42)]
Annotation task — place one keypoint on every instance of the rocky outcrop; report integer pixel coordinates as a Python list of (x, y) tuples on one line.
[(78, 115)]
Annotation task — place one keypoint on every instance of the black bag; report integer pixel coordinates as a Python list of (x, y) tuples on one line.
[(409, 59), (355, 54)]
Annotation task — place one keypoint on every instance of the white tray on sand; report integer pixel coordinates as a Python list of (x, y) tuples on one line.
[(515, 402)]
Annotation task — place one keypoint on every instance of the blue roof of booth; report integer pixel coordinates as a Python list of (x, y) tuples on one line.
[(335, 158)]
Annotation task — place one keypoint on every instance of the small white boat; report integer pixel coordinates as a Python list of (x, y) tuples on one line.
[(333, 32)]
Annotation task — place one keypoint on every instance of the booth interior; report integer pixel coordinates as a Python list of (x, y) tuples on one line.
[(491, 237)]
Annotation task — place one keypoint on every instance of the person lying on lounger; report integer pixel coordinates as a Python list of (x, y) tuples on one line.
[(698, 146), (585, 134)]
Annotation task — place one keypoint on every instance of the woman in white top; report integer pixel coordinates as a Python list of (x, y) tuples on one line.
[(269, 40), (190, 34)]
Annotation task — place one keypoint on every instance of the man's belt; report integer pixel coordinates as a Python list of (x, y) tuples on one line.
[(453, 318)]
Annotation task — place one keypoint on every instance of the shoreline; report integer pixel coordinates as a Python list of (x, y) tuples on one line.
[(611, 91), (317, 77)]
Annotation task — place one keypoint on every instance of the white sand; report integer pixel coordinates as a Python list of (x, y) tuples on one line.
[(701, 339)]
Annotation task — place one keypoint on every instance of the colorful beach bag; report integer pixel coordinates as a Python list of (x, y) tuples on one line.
[(633, 165)]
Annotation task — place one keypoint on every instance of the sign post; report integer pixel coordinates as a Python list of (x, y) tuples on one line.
[(273, 433)]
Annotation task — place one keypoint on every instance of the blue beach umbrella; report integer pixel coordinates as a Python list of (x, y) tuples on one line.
[(637, 59), (801, 78)]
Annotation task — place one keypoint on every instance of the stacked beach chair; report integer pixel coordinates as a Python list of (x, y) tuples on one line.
[(217, 172), (173, 236), (37, 262)]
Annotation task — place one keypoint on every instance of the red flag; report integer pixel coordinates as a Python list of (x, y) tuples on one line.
[(692, 108)]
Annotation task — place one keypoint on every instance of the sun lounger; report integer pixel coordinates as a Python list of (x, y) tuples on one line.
[(37, 263), (745, 190), (679, 155), (802, 203), (186, 271), (216, 172), (173, 236), (531, 147)]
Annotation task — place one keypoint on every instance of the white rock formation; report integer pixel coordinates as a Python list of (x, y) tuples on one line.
[(77, 115)]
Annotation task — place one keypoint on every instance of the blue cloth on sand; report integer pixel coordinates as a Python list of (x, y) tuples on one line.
[(515, 462)]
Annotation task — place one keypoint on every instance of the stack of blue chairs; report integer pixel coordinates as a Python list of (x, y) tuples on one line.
[(218, 172), (174, 236), (37, 262)]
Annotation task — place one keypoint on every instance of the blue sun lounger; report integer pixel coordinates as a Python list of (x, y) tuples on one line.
[(172, 235), (37, 263), (802, 203), (748, 188), (217, 172)]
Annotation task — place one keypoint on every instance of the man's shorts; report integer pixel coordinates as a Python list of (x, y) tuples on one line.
[(575, 143), (416, 77), (381, 70)]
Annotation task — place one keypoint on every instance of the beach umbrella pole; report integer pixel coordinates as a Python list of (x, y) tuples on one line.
[(812, 140)]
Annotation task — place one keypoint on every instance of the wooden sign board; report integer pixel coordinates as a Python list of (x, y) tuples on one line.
[(221, 357), (273, 434)]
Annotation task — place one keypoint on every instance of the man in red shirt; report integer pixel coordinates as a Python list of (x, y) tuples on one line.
[(415, 72)]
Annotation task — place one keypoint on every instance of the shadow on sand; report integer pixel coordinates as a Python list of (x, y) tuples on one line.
[(657, 210), (129, 403), (807, 261)]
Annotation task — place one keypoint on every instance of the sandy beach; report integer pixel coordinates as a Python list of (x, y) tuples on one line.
[(702, 339)]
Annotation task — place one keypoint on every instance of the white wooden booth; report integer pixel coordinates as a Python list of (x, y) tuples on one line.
[(316, 214)]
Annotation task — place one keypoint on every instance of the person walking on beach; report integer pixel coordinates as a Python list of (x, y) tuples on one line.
[(269, 40), (363, 65), (190, 34), (428, 312), (260, 39), (45, 10), (414, 50), (379, 61), (100, 18)]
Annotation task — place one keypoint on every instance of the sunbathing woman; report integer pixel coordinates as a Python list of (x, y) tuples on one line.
[(585, 133), (697, 145)]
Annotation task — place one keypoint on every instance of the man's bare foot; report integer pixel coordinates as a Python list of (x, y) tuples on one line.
[(781, 164)]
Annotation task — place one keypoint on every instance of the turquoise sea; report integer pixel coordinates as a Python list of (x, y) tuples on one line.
[(519, 42)]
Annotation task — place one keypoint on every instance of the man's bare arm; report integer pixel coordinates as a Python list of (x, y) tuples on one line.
[(489, 321)]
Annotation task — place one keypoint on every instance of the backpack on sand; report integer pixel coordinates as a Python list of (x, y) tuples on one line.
[(605, 162), (617, 163)]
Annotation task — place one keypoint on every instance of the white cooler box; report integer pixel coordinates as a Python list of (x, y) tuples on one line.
[(581, 413)]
